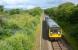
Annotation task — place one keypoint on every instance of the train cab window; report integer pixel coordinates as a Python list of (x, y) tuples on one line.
[(54, 30)]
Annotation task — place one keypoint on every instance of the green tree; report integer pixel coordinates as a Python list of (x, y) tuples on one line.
[(1, 8), (14, 11), (35, 11), (74, 16), (65, 11)]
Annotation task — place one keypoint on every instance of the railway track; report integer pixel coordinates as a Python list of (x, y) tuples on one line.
[(59, 45)]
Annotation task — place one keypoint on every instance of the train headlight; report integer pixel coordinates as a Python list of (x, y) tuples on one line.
[(58, 32), (50, 32)]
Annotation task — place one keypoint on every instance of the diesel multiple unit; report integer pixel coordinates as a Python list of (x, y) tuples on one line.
[(54, 30)]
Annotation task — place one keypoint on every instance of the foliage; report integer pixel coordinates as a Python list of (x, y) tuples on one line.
[(35, 11), (74, 17), (16, 42), (1, 8), (17, 29), (14, 11)]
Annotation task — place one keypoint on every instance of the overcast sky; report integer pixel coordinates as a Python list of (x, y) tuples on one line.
[(28, 4)]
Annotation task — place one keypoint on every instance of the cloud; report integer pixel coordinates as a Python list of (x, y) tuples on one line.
[(30, 6), (13, 2), (73, 1), (1, 2), (33, 3)]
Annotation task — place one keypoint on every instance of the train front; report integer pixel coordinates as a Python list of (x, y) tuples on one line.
[(54, 32)]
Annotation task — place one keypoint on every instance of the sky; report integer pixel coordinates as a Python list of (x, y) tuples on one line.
[(29, 4)]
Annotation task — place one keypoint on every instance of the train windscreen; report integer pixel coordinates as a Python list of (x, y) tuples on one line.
[(54, 30)]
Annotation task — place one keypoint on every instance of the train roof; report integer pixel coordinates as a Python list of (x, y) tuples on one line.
[(51, 23)]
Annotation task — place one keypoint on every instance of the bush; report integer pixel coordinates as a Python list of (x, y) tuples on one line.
[(18, 31), (16, 42)]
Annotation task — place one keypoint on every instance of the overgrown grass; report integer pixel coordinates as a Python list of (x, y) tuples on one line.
[(22, 32), (16, 42)]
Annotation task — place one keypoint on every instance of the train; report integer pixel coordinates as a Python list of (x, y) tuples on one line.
[(54, 30)]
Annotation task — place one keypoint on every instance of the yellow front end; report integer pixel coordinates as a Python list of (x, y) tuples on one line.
[(55, 35)]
